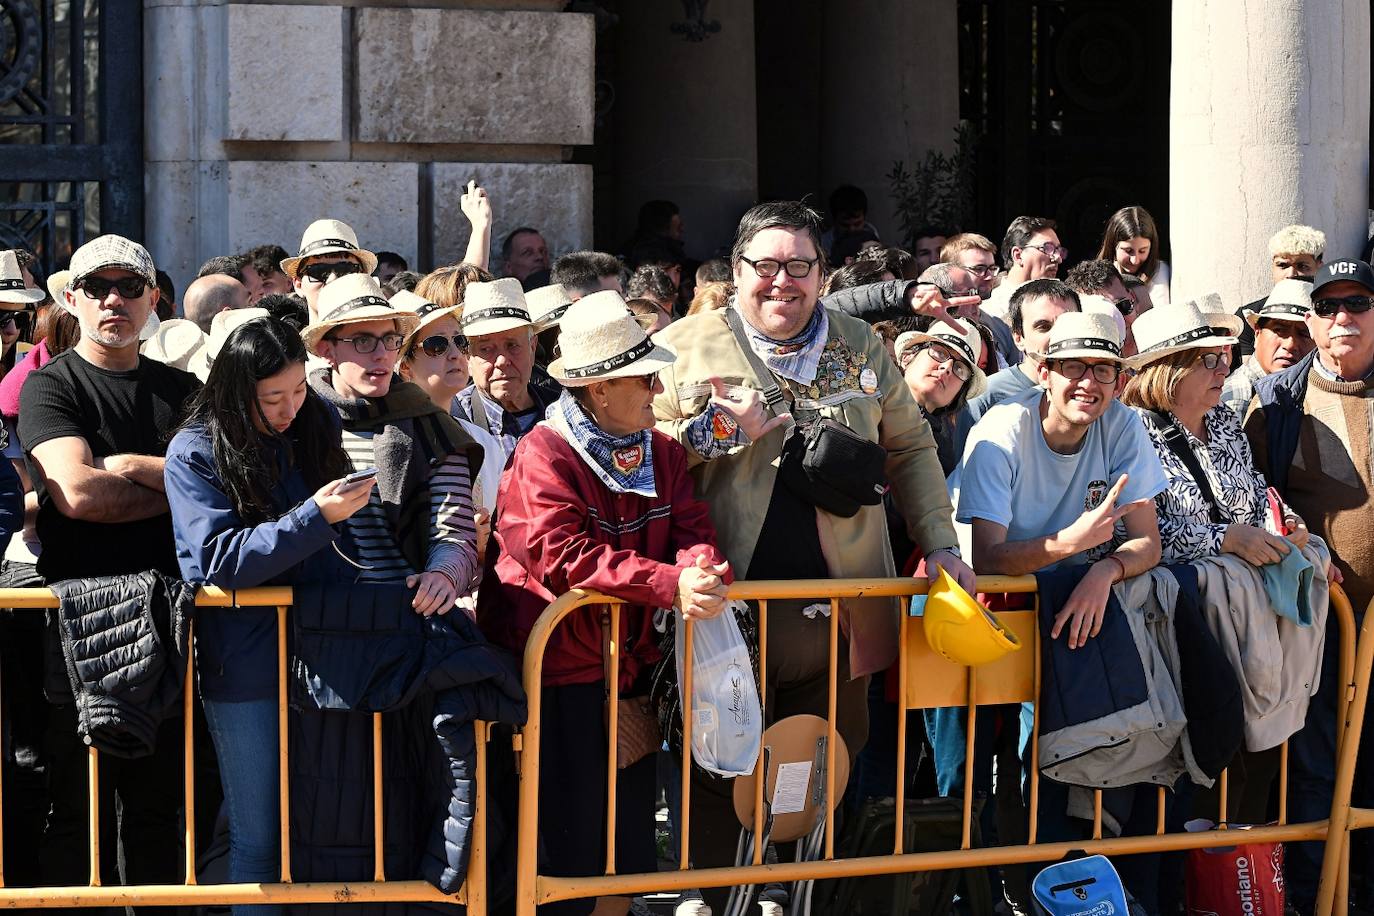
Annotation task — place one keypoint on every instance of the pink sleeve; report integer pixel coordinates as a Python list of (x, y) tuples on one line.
[(14, 379)]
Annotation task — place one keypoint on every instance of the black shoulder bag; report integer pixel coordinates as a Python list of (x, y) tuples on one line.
[(823, 461), (1177, 443)]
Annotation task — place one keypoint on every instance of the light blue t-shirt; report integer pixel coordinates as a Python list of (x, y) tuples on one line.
[(1011, 477)]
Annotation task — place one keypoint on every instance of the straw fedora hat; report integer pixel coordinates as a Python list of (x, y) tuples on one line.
[(329, 236), (547, 305), (600, 339), (177, 342), (427, 312), (13, 294), (58, 281), (1084, 335), (968, 346), (1169, 329), (493, 307), (349, 300), (223, 324), (1289, 300)]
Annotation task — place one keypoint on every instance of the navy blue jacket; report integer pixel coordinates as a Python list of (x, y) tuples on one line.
[(1280, 397), (236, 647)]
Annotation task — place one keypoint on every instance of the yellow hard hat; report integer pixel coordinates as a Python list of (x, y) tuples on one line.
[(961, 629)]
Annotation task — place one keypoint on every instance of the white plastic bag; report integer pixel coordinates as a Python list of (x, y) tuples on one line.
[(727, 723)]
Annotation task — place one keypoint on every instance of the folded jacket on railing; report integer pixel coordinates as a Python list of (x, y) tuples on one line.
[(124, 642), (363, 649)]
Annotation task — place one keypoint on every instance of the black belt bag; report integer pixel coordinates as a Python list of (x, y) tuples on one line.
[(823, 462), (833, 468)]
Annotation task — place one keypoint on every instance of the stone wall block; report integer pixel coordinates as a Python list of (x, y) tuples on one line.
[(275, 201), (470, 76), (286, 73), (554, 198)]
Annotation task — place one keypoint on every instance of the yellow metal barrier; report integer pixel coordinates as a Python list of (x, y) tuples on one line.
[(379, 890), (927, 680)]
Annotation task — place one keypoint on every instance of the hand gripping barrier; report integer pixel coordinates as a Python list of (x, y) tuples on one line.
[(378, 890), (927, 681)]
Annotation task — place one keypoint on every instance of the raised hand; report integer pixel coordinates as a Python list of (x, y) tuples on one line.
[(749, 410), (1096, 526), (476, 205)]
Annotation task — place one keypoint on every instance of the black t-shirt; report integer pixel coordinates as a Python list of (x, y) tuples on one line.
[(117, 413)]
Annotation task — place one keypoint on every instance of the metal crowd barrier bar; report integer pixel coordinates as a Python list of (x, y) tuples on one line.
[(927, 680), (1333, 891), (378, 890)]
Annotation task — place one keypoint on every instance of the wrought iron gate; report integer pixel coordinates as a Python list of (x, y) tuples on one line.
[(71, 123)]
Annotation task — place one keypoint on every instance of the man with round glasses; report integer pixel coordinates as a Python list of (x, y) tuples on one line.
[(329, 249), (746, 377), (1047, 476), (1309, 429), (1030, 250)]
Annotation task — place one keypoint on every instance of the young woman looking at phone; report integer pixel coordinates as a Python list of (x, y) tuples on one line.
[(240, 477)]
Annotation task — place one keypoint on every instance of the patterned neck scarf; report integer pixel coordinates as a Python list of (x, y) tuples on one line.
[(624, 464), (796, 358)]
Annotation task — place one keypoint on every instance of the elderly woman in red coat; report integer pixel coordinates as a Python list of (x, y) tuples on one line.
[(595, 498)]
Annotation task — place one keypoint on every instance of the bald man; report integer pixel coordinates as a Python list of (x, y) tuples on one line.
[(208, 296)]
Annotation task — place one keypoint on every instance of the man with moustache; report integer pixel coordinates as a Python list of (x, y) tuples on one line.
[(1310, 431), (744, 376), (1281, 340)]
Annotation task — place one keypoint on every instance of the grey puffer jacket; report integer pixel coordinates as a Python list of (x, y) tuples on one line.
[(124, 643)]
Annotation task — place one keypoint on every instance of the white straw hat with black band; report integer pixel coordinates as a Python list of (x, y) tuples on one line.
[(493, 307), (547, 305), (13, 292), (1168, 329), (1289, 300), (967, 346), (329, 236), (351, 299), (1084, 335), (599, 339)]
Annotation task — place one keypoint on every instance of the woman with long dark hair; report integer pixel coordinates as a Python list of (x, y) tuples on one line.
[(1131, 242), (240, 475)]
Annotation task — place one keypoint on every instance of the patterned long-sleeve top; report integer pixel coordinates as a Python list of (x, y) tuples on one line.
[(1186, 530)]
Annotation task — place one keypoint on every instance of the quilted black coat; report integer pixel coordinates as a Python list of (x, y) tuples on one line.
[(362, 649)]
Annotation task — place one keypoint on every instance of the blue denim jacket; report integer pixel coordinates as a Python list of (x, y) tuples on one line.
[(236, 647)]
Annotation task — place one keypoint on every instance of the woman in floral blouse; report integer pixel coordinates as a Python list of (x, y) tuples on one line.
[(1183, 359)]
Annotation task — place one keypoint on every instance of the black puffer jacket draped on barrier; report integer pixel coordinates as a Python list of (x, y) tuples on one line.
[(124, 641), (363, 649)]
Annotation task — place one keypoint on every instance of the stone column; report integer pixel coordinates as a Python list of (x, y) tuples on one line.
[(890, 91), (1269, 125), (264, 116)]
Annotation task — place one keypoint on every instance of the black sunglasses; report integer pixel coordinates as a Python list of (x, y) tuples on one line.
[(1355, 305), (99, 287), (1125, 306), (438, 345), (323, 273)]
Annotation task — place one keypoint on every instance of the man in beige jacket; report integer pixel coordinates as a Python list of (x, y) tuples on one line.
[(825, 364)]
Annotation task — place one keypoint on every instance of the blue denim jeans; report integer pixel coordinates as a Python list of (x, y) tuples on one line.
[(245, 736)]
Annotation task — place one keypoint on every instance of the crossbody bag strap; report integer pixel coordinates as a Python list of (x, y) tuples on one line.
[(771, 392), (1177, 443)]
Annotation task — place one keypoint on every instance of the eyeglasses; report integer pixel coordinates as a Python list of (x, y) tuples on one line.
[(438, 345), (1125, 306), (367, 343), (1075, 369), (1355, 305), (768, 267), (1211, 360), (646, 380), (323, 273), (982, 271), (942, 355), (99, 287), (1050, 250)]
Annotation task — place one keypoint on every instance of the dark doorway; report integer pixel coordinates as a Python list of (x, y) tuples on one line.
[(1070, 101), (71, 123)]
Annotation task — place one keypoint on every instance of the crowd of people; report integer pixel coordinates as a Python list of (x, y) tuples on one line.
[(1186, 478)]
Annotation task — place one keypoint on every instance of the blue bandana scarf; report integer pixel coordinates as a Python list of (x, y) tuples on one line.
[(796, 358), (624, 464)]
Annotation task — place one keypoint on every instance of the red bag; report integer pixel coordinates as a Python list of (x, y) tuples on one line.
[(1244, 880)]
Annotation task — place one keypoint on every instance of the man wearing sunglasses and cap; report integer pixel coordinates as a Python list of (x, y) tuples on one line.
[(329, 249), (1309, 428), (95, 422)]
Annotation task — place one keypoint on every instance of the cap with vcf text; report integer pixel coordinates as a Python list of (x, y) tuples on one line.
[(1343, 269)]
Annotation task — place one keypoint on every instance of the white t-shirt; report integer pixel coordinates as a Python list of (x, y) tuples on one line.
[(1010, 476), (999, 303)]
